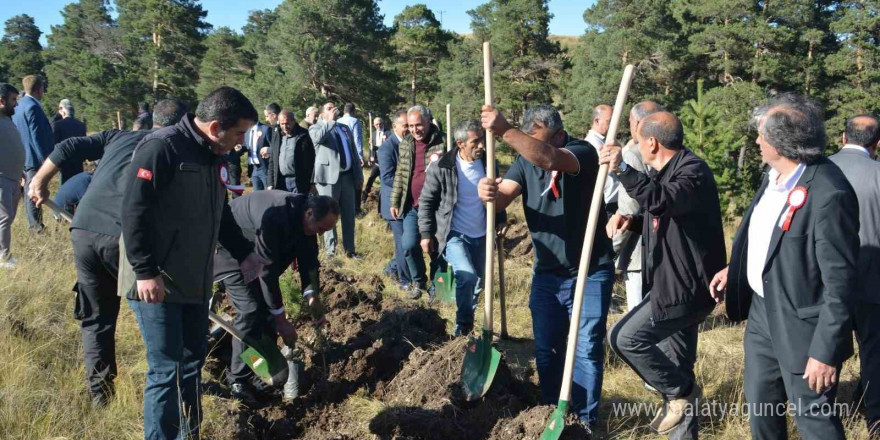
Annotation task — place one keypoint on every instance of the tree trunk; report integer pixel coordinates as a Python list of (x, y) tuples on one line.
[(413, 86), (157, 41), (809, 64)]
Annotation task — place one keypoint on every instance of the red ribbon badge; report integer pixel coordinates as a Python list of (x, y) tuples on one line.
[(655, 222), (223, 174), (796, 199)]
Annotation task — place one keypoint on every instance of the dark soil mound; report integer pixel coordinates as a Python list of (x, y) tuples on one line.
[(529, 425), (425, 400), (518, 242)]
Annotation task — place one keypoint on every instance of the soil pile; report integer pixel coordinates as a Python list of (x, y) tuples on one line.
[(529, 425), (425, 400), (518, 242)]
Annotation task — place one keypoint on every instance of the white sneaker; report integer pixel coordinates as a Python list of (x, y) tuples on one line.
[(11, 263)]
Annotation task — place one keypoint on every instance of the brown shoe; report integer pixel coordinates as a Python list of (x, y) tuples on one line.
[(674, 411)]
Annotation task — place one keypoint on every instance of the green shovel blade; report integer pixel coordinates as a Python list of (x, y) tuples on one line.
[(444, 285), (480, 364), (556, 424), (265, 360)]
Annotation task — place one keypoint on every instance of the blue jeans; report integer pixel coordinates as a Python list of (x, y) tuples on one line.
[(259, 178), (551, 303), (399, 256), (412, 248), (176, 342), (467, 255)]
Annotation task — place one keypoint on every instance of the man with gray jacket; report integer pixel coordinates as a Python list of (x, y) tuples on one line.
[(337, 173), (856, 160), (452, 220), (12, 152)]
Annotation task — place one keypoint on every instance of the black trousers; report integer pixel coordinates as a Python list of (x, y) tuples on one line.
[(662, 353), (868, 334), (768, 387), (96, 257), (252, 318), (374, 174)]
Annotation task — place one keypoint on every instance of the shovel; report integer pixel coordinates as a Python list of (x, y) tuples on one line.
[(444, 285), (554, 427), (263, 357), (501, 287), (481, 358), (59, 210)]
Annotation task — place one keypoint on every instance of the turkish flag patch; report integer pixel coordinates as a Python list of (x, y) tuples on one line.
[(145, 174)]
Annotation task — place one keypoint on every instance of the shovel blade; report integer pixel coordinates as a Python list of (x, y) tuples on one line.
[(444, 285), (556, 424), (266, 361), (480, 364)]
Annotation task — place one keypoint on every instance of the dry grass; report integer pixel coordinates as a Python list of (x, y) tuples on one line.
[(42, 393)]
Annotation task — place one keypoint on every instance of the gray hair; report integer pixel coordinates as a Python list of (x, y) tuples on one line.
[(312, 109), (67, 107), (644, 109), (599, 109), (422, 110), (545, 114), (794, 125), (463, 127)]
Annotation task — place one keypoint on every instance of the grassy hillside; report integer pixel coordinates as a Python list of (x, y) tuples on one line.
[(42, 392)]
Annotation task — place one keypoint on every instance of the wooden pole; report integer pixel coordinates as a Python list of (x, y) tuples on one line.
[(589, 235), (448, 127), (489, 274), (119, 120)]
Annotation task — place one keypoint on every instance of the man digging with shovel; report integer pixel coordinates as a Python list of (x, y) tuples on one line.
[(282, 227), (452, 221), (555, 174)]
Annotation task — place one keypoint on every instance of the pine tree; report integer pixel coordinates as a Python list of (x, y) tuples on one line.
[(620, 32), (167, 38), (525, 61), (20, 49), (419, 45), (224, 63), (261, 85), (855, 66), (87, 64), (326, 50)]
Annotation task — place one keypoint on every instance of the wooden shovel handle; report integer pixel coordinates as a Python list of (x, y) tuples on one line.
[(489, 274), (589, 235), (225, 325)]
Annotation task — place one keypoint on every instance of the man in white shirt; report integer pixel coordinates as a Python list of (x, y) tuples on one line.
[(596, 138), (793, 274), (452, 218), (856, 160)]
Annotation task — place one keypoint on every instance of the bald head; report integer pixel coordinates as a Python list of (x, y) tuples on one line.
[(665, 128), (601, 119), (862, 130)]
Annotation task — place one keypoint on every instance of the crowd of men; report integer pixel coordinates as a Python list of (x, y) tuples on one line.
[(164, 219)]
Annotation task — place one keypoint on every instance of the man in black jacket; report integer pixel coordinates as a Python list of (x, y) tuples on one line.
[(65, 128), (793, 273), (95, 234), (174, 213), (291, 157), (683, 246), (283, 228)]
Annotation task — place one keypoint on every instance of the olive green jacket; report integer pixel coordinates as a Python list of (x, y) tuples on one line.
[(400, 193)]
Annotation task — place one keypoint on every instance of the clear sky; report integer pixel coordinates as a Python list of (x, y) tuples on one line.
[(567, 20)]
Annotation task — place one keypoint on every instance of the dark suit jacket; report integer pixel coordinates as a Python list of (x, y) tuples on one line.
[(263, 142), (387, 157), (810, 273), (863, 174), (304, 154), (67, 128), (35, 131)]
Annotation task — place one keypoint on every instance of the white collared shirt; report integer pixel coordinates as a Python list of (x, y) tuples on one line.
[(612, 183), (858, 148), (765, 219)]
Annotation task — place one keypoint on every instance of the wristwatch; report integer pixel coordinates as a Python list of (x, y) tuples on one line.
[(621, 168)]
